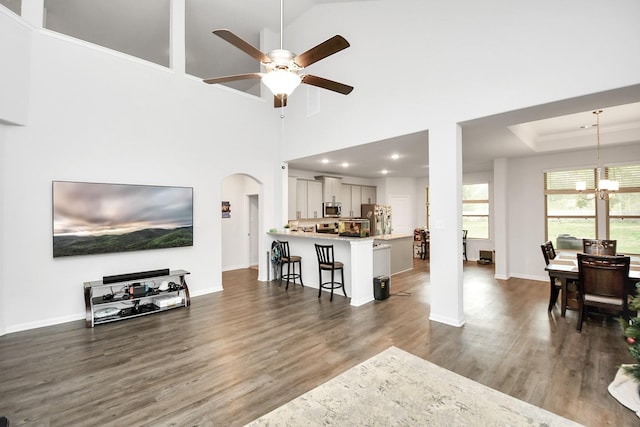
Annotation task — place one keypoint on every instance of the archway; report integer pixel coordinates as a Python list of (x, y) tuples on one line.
[(240, 228)]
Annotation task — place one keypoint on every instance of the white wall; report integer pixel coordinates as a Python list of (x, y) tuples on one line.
[(3, 318), (99, 116)]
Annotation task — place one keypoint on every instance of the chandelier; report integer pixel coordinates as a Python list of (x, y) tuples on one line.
[(604, 188)]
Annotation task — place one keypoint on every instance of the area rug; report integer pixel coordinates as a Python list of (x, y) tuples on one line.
[(397, 388)]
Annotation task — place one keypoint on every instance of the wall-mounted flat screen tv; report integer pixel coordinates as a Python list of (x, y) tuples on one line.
[(97, 218)]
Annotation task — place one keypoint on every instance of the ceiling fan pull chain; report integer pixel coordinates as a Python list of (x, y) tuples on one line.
[(282, 105)]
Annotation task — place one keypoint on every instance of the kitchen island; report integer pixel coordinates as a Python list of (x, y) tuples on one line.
[(401, 250), (356, 253)]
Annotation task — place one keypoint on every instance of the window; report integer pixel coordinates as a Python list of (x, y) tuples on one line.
[(475, 210), (570, 215), (624, 209)]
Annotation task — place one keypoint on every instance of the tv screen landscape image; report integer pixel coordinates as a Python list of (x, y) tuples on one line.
[(98, 218)]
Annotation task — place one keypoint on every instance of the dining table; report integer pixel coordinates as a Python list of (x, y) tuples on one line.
[(564, 269)]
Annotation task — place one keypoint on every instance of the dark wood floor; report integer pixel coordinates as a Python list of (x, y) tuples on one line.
[(238, 354)]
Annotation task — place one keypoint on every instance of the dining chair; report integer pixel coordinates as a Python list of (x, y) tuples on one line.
[(290, 261), (424, 244), (599, 247), (464, 243), (327, 262), (602, 284), (549, 253)]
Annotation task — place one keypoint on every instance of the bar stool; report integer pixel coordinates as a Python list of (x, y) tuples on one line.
[(326, 262), (291, 261)]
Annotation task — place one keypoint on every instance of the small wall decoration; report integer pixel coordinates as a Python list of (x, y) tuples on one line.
[(226, 210), (98, 218)]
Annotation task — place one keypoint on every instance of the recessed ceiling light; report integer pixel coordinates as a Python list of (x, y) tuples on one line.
[(325, 161), (384, 171), (395, 156), (345, 165)]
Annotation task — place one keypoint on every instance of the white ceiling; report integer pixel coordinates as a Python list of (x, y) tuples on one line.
[(140, 28)]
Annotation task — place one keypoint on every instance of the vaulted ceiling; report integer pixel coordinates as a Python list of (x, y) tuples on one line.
[(140, 28)]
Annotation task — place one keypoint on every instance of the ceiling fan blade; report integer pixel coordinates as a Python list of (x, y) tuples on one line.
[(321, 51), (279, 101), (233, 78), (242, 45), (327, 84)]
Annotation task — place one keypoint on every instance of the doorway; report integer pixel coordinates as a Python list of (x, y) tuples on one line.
[(240, 234)]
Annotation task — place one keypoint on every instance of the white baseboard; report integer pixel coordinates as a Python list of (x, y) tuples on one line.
[(447, 320), (46, 322)]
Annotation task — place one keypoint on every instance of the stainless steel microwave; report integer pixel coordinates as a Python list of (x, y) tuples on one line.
[(331, 210)]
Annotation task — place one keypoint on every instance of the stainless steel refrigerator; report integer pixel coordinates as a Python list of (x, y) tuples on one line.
[(379, 217)]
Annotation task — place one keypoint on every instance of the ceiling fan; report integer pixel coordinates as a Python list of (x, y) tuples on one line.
[(283, 67)]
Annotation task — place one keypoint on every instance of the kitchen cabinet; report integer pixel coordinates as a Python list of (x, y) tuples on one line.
[(345, 199), (351, 199), (314, 199), (331, 188), (356, 199), (301, 198), (368, 195), (292, 211), (309, 198)]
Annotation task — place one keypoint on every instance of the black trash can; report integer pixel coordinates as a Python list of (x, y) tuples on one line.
[(381, 287)]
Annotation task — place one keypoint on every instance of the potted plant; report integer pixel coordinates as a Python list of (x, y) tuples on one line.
[(287, 228)]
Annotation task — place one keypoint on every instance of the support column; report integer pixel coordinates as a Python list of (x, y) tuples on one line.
[(499, 213), (445, 202), (32, 11), (177, 30)]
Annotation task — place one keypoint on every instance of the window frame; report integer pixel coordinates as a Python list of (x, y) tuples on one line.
[(486, 201)]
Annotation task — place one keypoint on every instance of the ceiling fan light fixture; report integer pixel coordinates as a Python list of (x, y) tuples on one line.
[(281, 82)]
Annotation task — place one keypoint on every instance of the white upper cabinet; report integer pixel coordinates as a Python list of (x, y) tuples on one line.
[(314, 199), (351, 199), (301, 198), (331, 188), (292, 205), (356, 201), (345, 199), (368, 195)]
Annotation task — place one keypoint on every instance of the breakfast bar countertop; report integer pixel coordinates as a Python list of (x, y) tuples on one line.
[(393, 236), (314, 235)]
